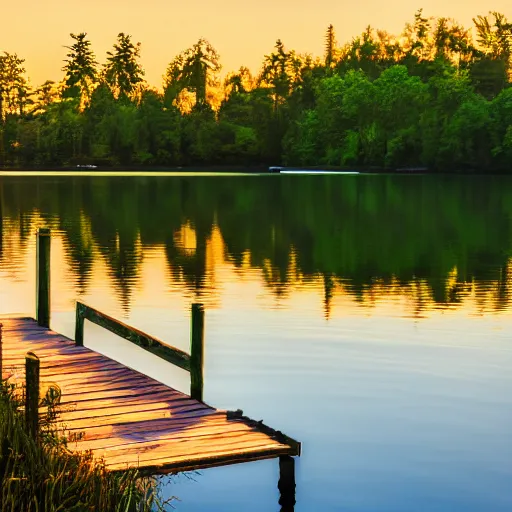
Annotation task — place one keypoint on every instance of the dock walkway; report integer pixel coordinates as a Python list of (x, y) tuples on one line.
[(130, 419)]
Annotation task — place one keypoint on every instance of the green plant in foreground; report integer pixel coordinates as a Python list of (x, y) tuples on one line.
[(44, 475)]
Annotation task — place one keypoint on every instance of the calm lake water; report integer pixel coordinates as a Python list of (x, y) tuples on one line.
[(369, 317)]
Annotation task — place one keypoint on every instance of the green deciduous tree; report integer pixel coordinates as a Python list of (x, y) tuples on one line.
[(159, 131), (280, 71), (491, 72), (13, 85), (195, 69), (495, 38)]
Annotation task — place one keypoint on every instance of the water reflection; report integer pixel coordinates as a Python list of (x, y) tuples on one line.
[(392, 411), (433, 240)]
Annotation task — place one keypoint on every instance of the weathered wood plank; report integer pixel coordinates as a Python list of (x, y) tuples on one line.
[(191, 446), (130, 399), (134, 385), (96, 381), (38, 340), (97, 375), (186, 433), (80, 367), (114, 395), (131, 425), (120, 419), (81, 414), (142, 428), (218, 460), (206, 452), (60, 358)]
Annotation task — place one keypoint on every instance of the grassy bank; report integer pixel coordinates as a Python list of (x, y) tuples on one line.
[(45, 475)]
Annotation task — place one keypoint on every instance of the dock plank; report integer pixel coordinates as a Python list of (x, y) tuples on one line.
[(127, 418)]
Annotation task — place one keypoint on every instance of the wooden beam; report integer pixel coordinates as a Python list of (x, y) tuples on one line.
[(204, 462), (296, 446), (153, 345)]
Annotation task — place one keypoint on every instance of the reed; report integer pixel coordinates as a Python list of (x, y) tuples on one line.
[(43, 474)]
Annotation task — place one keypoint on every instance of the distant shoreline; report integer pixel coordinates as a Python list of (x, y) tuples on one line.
[(257, 170)]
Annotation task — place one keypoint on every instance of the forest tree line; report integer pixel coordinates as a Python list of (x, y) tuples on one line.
[(431, 97)]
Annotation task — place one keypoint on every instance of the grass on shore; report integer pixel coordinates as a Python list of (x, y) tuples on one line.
[(45, 476)]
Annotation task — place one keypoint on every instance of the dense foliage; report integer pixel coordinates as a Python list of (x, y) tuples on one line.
[(431, 97)]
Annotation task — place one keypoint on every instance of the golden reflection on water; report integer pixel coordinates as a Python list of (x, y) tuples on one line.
[(383, 305), (362, 245), (159, 282)]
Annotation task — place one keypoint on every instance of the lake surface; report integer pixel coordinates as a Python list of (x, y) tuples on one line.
[(369, 317)]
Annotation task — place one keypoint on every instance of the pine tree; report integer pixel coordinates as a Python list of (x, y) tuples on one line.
[(80, 68), (123, 72), (330, 46)]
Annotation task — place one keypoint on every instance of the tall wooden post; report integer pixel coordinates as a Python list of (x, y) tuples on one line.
[(32, 394), (286, 484), (197, 352), (43, 278), (79, 325), (1, 354)]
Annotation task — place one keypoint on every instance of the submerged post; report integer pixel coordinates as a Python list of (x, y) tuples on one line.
[(32, 394), (197, 352), (286, 484), (43, 277)]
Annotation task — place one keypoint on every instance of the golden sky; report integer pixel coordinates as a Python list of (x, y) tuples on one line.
[(242, 32)]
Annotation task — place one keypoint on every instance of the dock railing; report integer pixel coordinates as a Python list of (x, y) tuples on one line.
[(192, 362)]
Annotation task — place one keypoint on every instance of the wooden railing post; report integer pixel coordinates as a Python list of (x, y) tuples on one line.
[(43, 277), (197, 352), (1, 353), (32, 394), (79, 325)]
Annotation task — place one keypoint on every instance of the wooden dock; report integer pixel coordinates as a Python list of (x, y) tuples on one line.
[(130, 419), (124, 417)]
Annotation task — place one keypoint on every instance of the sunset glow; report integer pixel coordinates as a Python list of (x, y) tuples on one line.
[(242, 35)]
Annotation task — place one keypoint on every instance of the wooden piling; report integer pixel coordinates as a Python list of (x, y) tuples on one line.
[(43, 277), (79, 325), (32, 394), (286, 483), (197, 352), (1, 354)]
